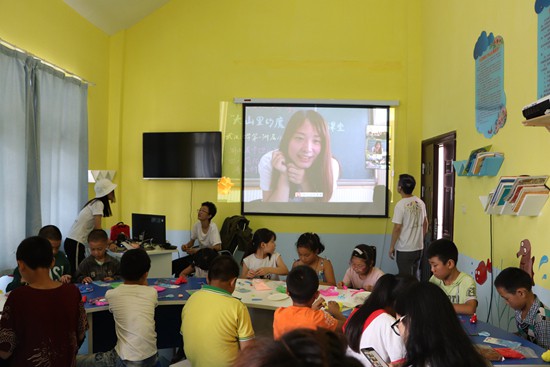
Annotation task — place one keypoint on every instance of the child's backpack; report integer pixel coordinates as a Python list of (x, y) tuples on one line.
[(235, 233)]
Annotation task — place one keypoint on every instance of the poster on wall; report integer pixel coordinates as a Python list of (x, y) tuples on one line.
[(542, 8), (491, 111)]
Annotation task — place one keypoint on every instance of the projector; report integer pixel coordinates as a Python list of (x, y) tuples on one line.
[(537, 108)]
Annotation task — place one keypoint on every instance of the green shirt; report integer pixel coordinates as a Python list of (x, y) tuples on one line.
[(60, 268), (460, 291)]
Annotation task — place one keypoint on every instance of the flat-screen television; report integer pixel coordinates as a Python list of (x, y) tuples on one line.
[(149, 228), (315, 159), (182, 155)]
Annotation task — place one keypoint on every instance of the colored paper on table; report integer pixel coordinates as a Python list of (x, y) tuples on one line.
[(115, 284), (191, 291), (329, 292), (159, 288), (503, 342), (101, 283), (260, 285)]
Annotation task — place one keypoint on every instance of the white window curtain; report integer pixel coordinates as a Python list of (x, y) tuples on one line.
[(43, 149)]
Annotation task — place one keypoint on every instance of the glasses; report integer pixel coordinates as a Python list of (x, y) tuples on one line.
[(395, 325)]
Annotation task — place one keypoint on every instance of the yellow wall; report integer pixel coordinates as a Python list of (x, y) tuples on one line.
[(181, 62), (450, 30), (56, 33)]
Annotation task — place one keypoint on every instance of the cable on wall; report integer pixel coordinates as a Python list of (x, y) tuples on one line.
[(492, 270)]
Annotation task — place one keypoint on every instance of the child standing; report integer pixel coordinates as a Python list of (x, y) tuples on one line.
[(261, 261), (302, 285), (362, 272), (532, 316), (133, 306), (459, 287), (309, 247), (99, 265), (214, 324), (43, 323), (61, 270)]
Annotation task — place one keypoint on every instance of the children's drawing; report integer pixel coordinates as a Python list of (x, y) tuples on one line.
[(526, 261), (482, 270)]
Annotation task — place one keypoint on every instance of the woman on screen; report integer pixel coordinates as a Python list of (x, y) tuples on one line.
[(302, 169)]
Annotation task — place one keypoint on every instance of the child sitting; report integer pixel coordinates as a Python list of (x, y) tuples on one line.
[(61, 270), (302, 286), (214, 324), (43, 323), (532, 316), (459, 287), (309, 247), (261, 260), (370, 324), (202, 261), (362, 272), (133, 306), (99, 265)]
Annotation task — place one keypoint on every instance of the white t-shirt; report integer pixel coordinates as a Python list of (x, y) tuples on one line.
[(253, 263), (411, 214), (209, 239), (133, 308), (85, 221), (265, 169), (379, 335)]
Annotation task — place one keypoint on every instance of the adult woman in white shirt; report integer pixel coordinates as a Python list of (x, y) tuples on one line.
[(89, 219)]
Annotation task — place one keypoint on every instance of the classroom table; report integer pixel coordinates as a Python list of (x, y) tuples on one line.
[(101, 333), (102, 337), (473, 331), (261, 305)]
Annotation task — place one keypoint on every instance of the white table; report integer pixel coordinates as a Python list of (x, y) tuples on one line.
[(161, 262)]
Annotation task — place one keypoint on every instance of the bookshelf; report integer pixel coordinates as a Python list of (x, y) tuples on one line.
[(543, 120), (489, 167), (518, 196)]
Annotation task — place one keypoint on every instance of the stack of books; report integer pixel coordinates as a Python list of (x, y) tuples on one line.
[(518, 195), (481, 162)]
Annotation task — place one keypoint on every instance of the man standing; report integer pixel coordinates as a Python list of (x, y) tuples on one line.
[(410, 226)]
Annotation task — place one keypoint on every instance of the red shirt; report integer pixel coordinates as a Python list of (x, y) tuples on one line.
[(41, 326)]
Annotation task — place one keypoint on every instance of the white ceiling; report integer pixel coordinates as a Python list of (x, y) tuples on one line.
[(112, 16)]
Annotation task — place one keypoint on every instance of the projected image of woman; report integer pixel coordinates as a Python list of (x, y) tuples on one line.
[(302, 169)]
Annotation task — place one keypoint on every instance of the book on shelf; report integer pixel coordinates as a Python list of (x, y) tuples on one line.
[(503, 188), (528, 191), (480, 158), (512, 192), (522, 181), (472, 157)]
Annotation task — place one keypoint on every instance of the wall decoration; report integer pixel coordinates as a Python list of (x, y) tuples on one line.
[(526, 261), (491, 110), (482, 270), (542, 8)]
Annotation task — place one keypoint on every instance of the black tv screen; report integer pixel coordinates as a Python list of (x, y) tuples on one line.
[(315, 159), (182, 155)]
